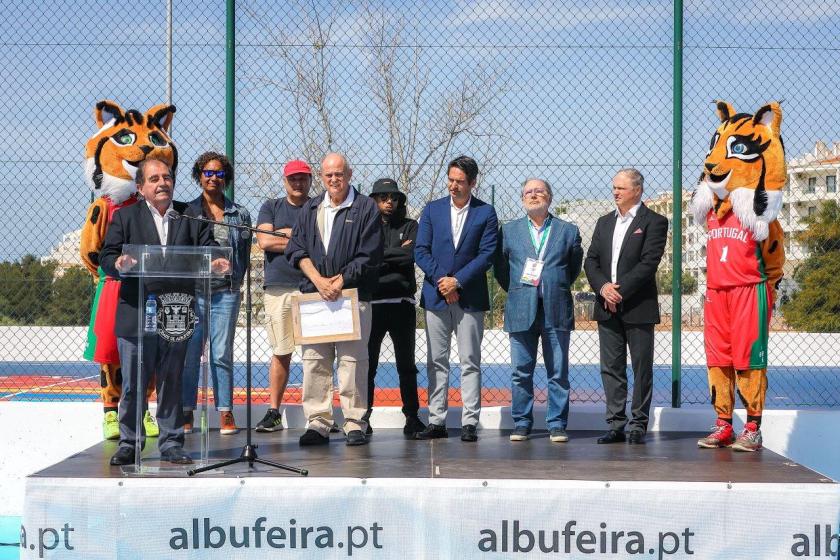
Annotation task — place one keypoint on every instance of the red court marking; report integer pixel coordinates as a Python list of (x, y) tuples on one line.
[(72, 387)]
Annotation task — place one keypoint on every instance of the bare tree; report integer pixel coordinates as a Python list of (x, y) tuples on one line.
[(421, 117), (304, 77), (423, 121)]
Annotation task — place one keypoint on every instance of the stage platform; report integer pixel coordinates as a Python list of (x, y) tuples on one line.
[(440, 499), (666, 456)]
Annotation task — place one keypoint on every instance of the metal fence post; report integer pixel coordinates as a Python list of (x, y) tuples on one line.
[(230, 88), (676, 223)]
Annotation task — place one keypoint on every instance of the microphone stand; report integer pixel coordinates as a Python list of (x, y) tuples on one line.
[(249, 451)]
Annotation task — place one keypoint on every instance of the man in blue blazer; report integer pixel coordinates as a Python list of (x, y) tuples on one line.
[(538, 258), (456, 240)]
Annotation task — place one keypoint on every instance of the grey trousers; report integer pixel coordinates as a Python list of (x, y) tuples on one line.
[(165, 361), (469, 330), (615, 336)]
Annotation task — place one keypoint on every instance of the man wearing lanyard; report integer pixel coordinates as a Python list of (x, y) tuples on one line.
[(538, 258)]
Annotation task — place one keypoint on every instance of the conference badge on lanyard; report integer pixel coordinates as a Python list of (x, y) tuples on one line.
[(532, 271)]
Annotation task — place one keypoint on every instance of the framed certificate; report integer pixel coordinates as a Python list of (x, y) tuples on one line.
[(316, 321)]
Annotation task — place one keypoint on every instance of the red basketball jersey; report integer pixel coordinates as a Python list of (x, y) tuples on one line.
[(733, 257)]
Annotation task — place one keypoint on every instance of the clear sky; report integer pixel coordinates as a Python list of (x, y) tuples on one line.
[(579, 88)]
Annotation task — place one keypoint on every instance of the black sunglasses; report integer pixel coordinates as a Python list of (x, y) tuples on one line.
[(393, 197), (210, 173)]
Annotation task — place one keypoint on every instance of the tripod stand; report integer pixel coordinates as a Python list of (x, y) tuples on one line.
[(249, 451)]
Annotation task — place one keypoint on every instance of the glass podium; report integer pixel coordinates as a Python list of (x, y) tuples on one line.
[(170, 281)]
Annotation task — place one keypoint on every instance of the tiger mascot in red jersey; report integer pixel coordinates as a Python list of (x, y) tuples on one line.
[(738, 198), (123, 139)]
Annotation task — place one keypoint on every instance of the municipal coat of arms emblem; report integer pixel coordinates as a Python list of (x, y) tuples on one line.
[(176, 316)]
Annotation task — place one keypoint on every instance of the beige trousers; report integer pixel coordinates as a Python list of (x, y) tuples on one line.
[(352, 379)]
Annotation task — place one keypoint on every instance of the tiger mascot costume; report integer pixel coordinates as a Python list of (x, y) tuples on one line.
[(738, 198), (123, 139)]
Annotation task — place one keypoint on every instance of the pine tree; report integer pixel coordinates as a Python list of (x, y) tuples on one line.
[(815, 306)]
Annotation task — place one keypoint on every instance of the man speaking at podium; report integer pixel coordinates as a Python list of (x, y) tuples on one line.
[(153, 221)]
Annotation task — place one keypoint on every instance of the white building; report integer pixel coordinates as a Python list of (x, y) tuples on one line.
[(812, 179), (66, 253)]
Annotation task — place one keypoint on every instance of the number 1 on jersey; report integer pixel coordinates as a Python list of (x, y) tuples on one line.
[(723, 254)]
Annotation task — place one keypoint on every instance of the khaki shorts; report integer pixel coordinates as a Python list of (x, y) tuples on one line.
[(278, 319)]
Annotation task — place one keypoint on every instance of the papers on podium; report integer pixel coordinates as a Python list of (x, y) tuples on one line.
[(316, 321)]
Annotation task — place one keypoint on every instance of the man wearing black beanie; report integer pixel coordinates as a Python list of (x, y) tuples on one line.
[(393, 301)]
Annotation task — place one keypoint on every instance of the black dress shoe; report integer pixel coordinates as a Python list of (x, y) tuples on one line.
[(123, 456), (468, 433), (432, 431), (312, 437), (636, 437), (412, 427), (356, 437), (612, 436), (176, 455)]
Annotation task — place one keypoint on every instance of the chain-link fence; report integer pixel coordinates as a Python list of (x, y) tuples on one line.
[(567, 91)]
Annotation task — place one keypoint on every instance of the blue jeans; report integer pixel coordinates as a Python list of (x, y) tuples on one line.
[(523, 355), (225, 309)]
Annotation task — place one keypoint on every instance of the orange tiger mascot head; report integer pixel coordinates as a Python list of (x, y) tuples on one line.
[(124, 139), (744, 169)]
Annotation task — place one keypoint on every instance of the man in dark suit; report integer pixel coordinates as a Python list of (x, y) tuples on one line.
[(538, 258), (621, 264), (456, 240), (152, 221)]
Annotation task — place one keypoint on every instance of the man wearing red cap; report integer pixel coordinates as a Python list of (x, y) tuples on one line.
[(281, 282)]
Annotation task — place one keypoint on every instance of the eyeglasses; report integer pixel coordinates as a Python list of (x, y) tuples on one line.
[(388, 196), (536, 192), (211, 173)]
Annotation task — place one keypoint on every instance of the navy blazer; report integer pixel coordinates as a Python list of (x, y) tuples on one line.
[(641, 251), (563, 259), (436, 255), (355, 249), (134, 225)]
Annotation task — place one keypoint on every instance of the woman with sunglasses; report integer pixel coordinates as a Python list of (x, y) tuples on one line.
[(214, 173)]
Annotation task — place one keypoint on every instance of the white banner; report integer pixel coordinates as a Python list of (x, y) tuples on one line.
[(435, 519)]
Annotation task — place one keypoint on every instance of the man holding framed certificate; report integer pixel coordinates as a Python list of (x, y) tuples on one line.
[(337, 244)]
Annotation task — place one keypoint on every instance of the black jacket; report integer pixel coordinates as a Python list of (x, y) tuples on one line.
[(134, 225), (641, 252), (396, 274), (355, 249)]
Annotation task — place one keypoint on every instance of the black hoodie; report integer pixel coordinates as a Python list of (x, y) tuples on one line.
[(396, 274)]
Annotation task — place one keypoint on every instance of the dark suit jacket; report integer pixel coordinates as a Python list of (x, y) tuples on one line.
[(135, 225), (563, 258), (641, 252), (437, 256)]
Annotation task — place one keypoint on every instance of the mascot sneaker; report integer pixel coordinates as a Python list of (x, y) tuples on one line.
[(722, 436), (111, 425), (150, 424), (750, 438)]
